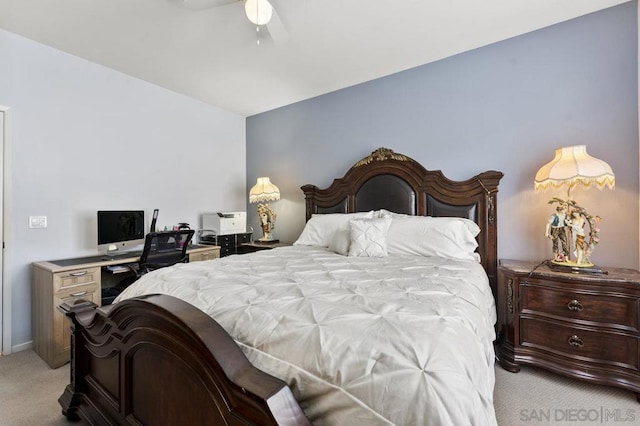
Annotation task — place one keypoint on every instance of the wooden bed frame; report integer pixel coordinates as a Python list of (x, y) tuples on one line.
[(159, 360)]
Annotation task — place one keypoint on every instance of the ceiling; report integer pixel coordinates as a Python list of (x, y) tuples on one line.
[(211, 53)]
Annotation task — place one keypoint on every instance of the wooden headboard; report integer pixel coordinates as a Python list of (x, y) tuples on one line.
[(395, 182)]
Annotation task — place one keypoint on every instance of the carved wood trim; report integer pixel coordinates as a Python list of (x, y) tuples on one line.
[(150, 360), (510, 295), (381, 154)]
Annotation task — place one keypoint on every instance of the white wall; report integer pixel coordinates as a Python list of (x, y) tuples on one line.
[(87, 138)]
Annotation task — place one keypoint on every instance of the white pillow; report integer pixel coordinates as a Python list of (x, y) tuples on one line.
[(321, 229), (340, 242), (389, 213), (448, 237), (369, 237)]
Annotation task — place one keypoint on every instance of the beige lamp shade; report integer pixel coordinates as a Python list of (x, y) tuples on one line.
[(264, 191), (572, 166)]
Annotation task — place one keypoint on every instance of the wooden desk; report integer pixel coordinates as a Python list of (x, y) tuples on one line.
[(65, 280)]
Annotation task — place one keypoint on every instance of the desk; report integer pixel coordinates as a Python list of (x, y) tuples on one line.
[(58, 281)]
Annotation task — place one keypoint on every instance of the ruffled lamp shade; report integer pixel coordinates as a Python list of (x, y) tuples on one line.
[(264, 191), (572, 166)]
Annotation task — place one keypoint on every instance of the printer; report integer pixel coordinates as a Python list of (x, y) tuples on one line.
[(225, 223)]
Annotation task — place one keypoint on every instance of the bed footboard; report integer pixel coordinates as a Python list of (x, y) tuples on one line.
[(158, 360)]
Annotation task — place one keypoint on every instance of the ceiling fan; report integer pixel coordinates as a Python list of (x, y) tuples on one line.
[(259, 12)]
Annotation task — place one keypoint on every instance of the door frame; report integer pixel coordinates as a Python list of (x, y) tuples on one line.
[(5, 178)]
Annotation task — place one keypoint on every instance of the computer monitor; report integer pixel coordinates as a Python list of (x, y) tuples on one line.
[(120, 230)]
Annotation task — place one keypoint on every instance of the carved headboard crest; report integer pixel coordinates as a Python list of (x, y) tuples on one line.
[(381, 154)]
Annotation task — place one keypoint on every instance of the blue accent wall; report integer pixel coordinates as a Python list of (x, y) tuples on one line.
[(506, 106)]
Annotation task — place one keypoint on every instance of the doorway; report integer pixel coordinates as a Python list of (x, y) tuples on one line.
[(5, 293)]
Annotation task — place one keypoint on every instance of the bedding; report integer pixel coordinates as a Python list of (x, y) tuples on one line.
[(450, 237), (322, 229), (360, 340)]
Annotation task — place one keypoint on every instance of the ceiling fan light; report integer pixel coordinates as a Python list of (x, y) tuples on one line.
[(258, 11)]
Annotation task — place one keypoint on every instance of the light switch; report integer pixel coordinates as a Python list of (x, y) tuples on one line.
[(37, 221)]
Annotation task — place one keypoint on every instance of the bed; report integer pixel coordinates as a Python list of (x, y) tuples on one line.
[(362, 321)]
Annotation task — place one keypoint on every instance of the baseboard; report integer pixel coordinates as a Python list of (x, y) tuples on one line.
[(22, 346)]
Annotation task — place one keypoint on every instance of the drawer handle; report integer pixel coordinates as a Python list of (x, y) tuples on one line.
[(80, 293), (575, 341), (78, 274), (574, 305)]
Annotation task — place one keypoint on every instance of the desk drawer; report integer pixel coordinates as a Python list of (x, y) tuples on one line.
[(226, 240), (61, 331), (78, 291), (204, 255), (75, 278), (244, 238), (227, 244)]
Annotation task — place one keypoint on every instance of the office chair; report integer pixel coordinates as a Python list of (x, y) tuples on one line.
[(163, 249)]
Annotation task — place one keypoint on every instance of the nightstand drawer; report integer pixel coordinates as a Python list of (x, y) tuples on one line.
[(588, 345), (613, 311)]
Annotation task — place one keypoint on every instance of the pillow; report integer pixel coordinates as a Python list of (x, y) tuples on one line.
[(448, 237), (369, 237), (321, 229), (389, 213), (341, 242)]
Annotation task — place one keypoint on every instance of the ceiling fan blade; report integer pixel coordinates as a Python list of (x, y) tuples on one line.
[(204, 4), (277, 32), (276, 28)]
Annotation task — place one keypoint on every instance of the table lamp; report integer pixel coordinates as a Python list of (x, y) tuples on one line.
[(571, 243), (262, 192)]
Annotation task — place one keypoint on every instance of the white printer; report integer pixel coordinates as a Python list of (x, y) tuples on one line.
[(225, 223)]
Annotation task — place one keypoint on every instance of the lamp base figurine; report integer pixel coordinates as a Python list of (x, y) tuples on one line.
[(267, 223), (572, 246)]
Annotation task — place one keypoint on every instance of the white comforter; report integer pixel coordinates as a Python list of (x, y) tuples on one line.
[(361, 341)]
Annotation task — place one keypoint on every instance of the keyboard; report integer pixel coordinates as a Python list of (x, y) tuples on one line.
[(123, 255)]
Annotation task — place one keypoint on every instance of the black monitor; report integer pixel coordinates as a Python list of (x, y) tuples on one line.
[(120, 229)]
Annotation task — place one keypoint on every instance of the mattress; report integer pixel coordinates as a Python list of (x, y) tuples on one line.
[(403, 340)]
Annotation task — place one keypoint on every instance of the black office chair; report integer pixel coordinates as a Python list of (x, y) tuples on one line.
[(162, 249)]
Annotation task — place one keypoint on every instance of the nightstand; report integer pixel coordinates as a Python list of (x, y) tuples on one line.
[(582, 326), (257, 246)]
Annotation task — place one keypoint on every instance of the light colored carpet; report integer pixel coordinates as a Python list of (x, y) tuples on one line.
[(537, 397), (29, 392)]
